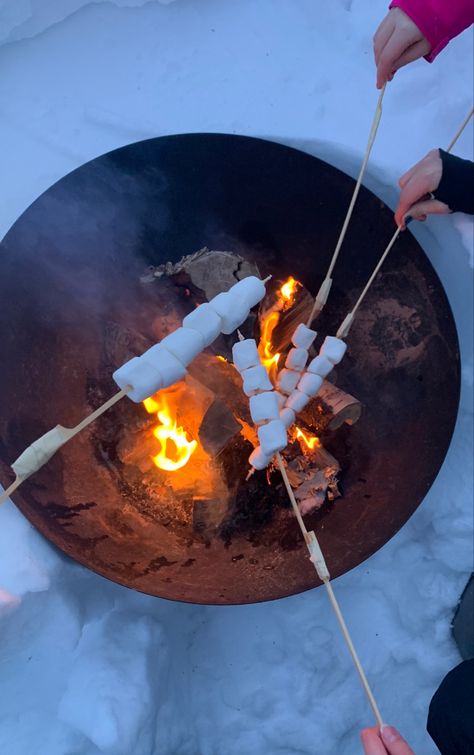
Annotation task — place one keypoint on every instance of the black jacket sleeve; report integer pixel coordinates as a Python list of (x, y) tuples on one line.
[(456, 188)]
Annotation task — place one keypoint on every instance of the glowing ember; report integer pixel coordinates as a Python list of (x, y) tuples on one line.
[(310, 441), (285, 298), (176, 449)]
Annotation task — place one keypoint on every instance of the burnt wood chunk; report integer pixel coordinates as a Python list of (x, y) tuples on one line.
[(217, 427)]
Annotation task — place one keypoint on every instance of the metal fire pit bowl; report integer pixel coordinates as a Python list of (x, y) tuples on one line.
[(70, 272)]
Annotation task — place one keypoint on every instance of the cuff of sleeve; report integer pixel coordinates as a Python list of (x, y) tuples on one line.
[(418, 16)]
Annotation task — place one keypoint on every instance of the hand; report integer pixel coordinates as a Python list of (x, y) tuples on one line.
[(397, 41), (416, 184), (385, 742)]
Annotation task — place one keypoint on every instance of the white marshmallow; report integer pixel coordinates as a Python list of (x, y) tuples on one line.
[(245, 354), (320, 366), (39, 452), (281, 399), (287, 416), (206, 321), (144, 378), (256, 379), (287, 381), (303, 337), (184, 344), (297, 401), (310, 384), (296, 359), (333, 348), (252, 289), (264, 407), (170, 368), (272, 437), (232, 310), (258, 459)]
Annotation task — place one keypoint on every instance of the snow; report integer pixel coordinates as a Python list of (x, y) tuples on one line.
[(90, 667)]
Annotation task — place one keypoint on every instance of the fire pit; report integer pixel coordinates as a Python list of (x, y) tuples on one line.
[(155, 496)]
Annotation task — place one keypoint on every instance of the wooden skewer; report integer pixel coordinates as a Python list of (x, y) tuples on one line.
[(319, 563), (323, 292), (346, 324), (64, 435)]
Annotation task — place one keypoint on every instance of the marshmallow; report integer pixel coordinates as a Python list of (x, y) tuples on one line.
[(256, 379), (287, 381), (144, 379), (252, 289), (333, 349), (206, 321), (39, 452), (296, 359), (287, 416), (303, 337), (310, 384), (264, 407), (281, 399), (272, 437), (170, 368), (258, 459), (320, 366), (184, 344), (232, 310), (297, 401), (245, 354)]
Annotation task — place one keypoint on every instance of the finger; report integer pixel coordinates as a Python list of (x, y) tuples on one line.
[(382, 35), (415, 51), (415, 188), (394, 742), (420, 210), (395, 47), (372, 743)]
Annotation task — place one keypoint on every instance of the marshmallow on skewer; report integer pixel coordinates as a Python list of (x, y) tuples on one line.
[(245, 354), (39, 452), (256, 379), (231, 309), (303, 337), (272, 437), (251, 289), (310, 384), (333, 349), (184, 344), (281, 399), (287, 416), (258, 459), (170, 368), (297, 401), (320, 366), (296, 359), (264, 407), (287, 380), (206, 321), (143, 378)]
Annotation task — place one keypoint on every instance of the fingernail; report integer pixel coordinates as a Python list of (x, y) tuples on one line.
[(389, 735)]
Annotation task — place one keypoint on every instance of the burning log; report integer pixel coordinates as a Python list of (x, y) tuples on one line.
[(337, 407)]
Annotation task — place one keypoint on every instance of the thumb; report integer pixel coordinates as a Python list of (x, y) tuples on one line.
[(394, 741)]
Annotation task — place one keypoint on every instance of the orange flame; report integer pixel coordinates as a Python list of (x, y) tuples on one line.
[(285, 298), (176, 449), (311, 441)]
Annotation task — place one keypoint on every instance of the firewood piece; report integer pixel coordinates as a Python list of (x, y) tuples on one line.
[(339, 406), (217, 427), (290, 319)]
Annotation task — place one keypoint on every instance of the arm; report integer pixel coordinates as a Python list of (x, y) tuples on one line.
[(449, 177), (416, 28)]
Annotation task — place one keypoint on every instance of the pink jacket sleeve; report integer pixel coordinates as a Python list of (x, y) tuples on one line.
[(438, 20)]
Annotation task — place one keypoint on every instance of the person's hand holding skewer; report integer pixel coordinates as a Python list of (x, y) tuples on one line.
[(384, 742), (397, 42), (417, 186)]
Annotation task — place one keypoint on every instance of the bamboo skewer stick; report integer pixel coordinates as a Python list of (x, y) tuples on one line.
[(319, 563), (346, 324), (38, 453), (325, 288)]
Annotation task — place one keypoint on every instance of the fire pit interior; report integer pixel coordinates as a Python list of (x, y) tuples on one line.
[(157, 495)]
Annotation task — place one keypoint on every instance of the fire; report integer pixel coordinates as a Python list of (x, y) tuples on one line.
[(285, 298), (176, 449), (311, 441)]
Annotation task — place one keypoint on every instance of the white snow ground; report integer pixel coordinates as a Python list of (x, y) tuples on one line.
[(88, 667)]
